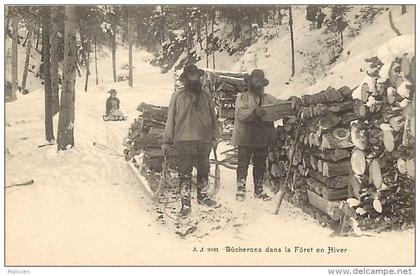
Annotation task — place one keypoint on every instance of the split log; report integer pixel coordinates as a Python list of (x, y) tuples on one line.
[(389, 141), (393, 73), (411, 168), (345, 91), (331, 182), (277, 111), (358, 162), (314, 162), (329, 121), (332, 155), (330, 95), (326, 192), (231, 80), (360, 109), (348, 118), (412, 75), (407, 133), (330, 169), (359, 135), (224, 73), (341, 107), (365, 93), (397, 122), (405, 65), (331, 208), (329, 141), (320, 166), (401, 166), (375, 172)]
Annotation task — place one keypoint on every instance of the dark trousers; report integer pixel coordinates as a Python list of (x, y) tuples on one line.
[(259, 156), (192, 154)]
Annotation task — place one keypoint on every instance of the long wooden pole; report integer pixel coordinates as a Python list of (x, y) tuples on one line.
[(290, 166), (292, 43)]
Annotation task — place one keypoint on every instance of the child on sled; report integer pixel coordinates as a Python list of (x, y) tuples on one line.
[(112, 107)]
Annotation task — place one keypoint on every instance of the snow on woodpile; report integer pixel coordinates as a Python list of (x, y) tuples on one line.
[(361, 148)]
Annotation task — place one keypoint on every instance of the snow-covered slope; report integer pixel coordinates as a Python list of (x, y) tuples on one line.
[(274, 56)]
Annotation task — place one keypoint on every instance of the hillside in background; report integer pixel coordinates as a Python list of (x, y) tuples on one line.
[(320, 59)]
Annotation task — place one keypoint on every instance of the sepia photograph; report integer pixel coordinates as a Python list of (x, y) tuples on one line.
[(269, 135)]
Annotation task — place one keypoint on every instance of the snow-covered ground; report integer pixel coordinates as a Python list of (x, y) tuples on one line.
[(85, 206)]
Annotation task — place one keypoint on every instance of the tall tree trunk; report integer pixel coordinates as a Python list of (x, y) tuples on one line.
[(130, 50), (114, 50), (14, 54), (212, 39), (54, 59), (37, 35), (292, 43), (96, 60), (27, 36), (28, 55), (85, 50), (207, 42), (65, 136), (46, 17), (236, 28), (87, 71)]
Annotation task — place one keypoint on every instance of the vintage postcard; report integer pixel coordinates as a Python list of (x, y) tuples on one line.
[(209, 135)]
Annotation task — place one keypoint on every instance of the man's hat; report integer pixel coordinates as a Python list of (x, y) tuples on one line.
[(112, 91), (190, 69), (258, 74)]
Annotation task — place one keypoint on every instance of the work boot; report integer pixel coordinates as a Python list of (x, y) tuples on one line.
[(185, 208), (240, 194), (258, 191), (205, 200), (263, 196)]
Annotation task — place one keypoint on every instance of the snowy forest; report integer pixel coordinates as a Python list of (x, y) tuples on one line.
[(343, 159)]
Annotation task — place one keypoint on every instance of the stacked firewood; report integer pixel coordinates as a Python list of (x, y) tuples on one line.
[(382, 162), (145, 136), (316, 143), (225, 86)]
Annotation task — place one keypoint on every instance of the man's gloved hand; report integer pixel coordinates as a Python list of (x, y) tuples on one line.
[(165, 148), (214, 144), (259, 111)]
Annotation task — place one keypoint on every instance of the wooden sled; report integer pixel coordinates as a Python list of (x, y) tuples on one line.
[(114, 118), (154, 183)]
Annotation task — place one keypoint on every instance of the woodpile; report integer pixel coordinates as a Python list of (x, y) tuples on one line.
[(225, 86), (382, 161), (320, 163), (145, 137), (354, 155)]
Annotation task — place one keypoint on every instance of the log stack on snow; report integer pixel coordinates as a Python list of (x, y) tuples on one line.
[(353, 163), (382, 162), (320, 163), (145, 137), (225, 86)]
